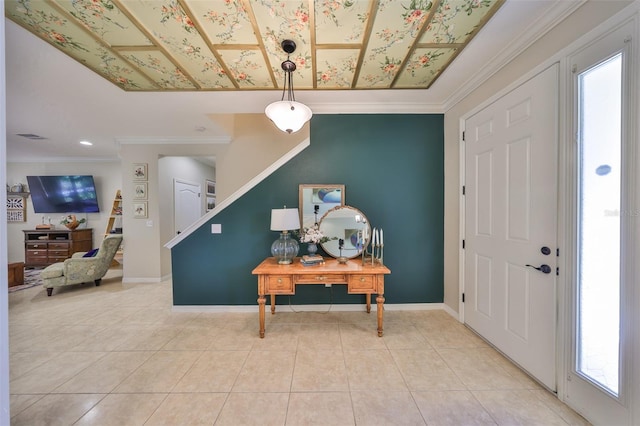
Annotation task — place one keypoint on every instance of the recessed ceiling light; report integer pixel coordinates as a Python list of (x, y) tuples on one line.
[(85, 143)]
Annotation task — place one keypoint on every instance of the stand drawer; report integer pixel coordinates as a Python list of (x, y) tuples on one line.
[(59, 246), (362, 284), (279, 284), (36, 246), (321, 278)]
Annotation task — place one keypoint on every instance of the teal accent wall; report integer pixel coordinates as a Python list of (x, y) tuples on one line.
[(392, 167)]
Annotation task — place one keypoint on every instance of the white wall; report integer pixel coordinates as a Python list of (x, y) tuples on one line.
[(255, 145), (108, 180), (169, 169), (579, 23)]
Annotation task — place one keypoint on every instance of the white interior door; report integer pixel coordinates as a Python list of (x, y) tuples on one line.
[(187, 204), (511, 224)]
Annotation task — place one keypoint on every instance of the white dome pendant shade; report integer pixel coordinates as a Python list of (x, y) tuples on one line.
[(288, 115)]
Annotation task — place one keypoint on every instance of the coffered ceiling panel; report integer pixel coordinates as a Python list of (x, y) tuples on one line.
[(190, 45)]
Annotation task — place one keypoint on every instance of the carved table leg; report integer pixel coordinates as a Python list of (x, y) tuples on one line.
[(261, 302), (380, 301), (273, 304), (368, 295)]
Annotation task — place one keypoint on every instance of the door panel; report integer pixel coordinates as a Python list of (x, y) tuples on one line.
[(510, 213), (187, 204)]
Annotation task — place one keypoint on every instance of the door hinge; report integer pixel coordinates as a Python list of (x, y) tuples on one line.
[(463, 244), (557, 271), (557, 252), (462, 297), (464, 190), (464, 136)]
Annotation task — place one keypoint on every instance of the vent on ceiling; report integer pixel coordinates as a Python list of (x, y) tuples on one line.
[(31, 136)]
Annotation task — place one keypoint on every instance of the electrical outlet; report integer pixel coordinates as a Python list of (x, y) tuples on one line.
[(327, 285)]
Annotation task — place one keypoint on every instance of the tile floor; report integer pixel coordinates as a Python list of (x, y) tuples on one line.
[(118, 355)]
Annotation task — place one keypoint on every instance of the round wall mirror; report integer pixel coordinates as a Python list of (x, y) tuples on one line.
[(348, 224)]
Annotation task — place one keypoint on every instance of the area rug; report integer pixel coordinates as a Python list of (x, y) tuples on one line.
[(31, 279)]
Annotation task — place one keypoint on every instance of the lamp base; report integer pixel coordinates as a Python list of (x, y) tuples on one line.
[(285, 249)]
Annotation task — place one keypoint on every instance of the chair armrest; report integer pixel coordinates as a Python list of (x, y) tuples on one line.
[(78, 254)]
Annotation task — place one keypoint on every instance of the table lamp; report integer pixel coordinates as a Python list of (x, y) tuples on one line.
[(285, 248)]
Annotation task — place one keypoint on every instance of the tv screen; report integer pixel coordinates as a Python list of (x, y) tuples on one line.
[(63, 194)]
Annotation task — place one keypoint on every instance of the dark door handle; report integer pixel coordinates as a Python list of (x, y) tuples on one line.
[(545, 250), (545, 269)]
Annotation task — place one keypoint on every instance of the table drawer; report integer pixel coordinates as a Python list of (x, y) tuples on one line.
[(362, 284), (54, 258), (321, 278), (279, 284)]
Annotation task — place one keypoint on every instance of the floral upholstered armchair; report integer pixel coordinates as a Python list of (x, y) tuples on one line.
[(79, 269)]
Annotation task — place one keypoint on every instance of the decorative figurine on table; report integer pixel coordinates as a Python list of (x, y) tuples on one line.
[(341, 259)]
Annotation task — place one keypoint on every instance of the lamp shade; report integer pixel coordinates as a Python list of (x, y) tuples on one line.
[(285, 219), (288, 116)]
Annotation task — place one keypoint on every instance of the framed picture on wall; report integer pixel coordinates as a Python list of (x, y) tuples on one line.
[(210, 188), (211, 203), (140, 210), (140, 191), (140, 171)]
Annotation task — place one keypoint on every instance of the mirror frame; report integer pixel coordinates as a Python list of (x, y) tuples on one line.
[(308, 198), (365, 243)]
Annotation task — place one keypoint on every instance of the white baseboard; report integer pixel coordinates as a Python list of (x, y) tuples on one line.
[(314, 308)]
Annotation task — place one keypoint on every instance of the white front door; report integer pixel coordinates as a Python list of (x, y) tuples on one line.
[(511, 224), (187, 204)]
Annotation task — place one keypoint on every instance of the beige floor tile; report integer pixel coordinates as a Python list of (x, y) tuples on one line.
[(105, 374), (108, 339), (517, 407), (214, 371), (404, 336), (560, 408), (23, 362), (191, 339), (56, 410), (53, 373), (160, 373), (320, 408), (279, 337), (188, 409), (451, 335), (250, 409), (426, 370), (19, 403), (385, 408), (373, 370), (149, 338), (452, 408), (322, 370), (239, 338), (478, 370), (122, 410), (319, 336), (308, 361), (266, 371), (360, 336)]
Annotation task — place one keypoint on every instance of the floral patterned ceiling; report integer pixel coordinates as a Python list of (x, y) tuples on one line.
[(190, 45)]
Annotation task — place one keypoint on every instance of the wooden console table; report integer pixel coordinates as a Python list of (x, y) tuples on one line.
[(276, 279)]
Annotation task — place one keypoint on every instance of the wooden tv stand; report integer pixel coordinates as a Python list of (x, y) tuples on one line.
[(42, 247)]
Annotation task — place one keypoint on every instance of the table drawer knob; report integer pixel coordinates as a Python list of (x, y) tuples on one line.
[(362, 279), (321, 278), (279, 280)]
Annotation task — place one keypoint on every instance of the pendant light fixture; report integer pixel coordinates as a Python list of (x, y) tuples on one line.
[(288, 115)]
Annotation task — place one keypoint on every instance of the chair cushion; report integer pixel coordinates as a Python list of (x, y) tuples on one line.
[(52, 271)]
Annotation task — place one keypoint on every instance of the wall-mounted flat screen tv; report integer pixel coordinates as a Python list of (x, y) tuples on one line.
[(63, 194)]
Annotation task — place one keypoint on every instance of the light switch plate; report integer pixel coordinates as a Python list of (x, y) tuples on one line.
[(216, 228)]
